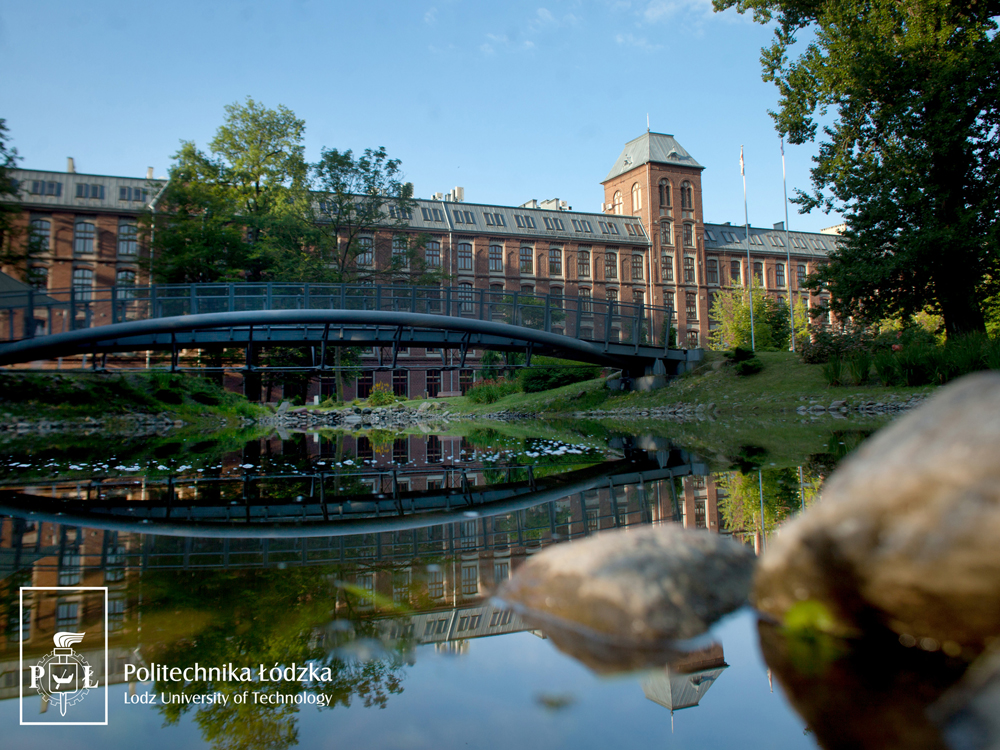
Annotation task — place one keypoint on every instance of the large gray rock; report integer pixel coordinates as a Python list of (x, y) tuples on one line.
[(907, 533), (635, 586)]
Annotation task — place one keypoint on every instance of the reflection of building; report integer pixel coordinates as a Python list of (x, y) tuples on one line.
[(684, 683)]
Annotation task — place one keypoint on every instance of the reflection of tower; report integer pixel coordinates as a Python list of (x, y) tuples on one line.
[(684, 683)]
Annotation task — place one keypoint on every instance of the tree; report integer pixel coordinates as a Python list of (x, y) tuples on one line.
[(912, 158), (771, 326), (13, 255)]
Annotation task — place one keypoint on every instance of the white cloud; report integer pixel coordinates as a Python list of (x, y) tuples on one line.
[(638, 42), (661, 10), (430, 17)]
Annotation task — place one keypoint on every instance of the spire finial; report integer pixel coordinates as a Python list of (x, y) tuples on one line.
[(647, 122)]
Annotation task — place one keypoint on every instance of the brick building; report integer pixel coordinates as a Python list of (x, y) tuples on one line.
[(650, 245)]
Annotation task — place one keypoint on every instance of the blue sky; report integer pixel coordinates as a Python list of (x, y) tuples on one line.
[(513, 100)]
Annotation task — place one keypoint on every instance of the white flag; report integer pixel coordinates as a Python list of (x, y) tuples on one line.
[(742, 172)]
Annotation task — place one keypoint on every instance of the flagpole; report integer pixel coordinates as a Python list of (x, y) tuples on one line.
[(746, 227), (788, 246)]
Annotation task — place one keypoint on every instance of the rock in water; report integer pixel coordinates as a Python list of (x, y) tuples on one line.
[(635, 586), (907, 533)]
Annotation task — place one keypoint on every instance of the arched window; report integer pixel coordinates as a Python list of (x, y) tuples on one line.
[(465, 297), (83, 284), (496, 257), (400, 251), (555, 261), (366, 251), (616, 203), (688, 270), (779, 275), (636, 198), (464, 256), (667, 263), (586, 303), (664, 194), (687, 200), (527, 259), (666, 233), (583, 263), (128, 237), (83, 237), (712, 268), (692, 306), (688, 235), (41, 233), (610, 265), (432, 254), (734, 272), (636, 268), (125, 280), (758, 272), (38, 277)]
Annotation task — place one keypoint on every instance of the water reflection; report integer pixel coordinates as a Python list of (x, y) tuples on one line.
[(350, 555)]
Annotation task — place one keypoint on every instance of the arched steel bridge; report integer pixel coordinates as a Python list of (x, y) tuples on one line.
[(97, 322), (302, 505)]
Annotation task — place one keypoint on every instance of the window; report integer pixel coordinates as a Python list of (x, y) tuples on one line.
[(692, 306), (616, 203), (587, 226), (38, 277), (432, 254), (688, 235), (366, 251), (69, 569), (711, 237), (818, 245), (583, 263), (400, 251), (66, 615), (465, 298), (712, 266), (667, 264), (612, 228), (464, 256), (758, 272), (399, 212), (689, 270), (496, 257), (524, 222), (366, 381), (636, 198), (668, 300), (604, 227), (527, 289), (666, 233), (776, 240), (639, 297), (586, 303), (494, 219), (128, 237), (664, 194), (83, 284), (432, 214), (801, 274), (779, 275), (84, 233), (19, 627), (527, 260), (687, 199), (470, 580), (755, 239), (552, 223), (556, 292), (132, 195), (86, 190), (41, 234), (463, 217), (125, 278), (612, 297), (692, 339), (400, 387), (43, 187), (636, 268), (610, 265), (555, 261), (464, 381), (734, 272), (433, 384)]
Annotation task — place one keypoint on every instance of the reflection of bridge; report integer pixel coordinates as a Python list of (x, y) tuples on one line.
[(170, 318), (303, 505)]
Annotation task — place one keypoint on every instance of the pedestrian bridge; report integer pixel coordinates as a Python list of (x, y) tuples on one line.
[(319, 317)]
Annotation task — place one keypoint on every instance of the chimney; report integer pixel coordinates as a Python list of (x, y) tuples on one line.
[(70, 166), (779, 225), (459, 194), (149, 173)]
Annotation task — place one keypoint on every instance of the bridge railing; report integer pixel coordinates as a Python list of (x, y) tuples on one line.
[(28, 314)]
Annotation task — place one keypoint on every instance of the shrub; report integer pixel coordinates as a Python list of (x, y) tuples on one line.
[(740, 354), (491, 390), (859, 365), (203, 397), (749, 366), (548, 373), (381, 395), (165, 396), (991, 354), (833, 371), (887, 368)]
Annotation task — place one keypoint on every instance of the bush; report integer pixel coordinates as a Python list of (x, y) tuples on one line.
[(833, 371), (208, 399), (859, 365), (749, 366), (887, 368), (548, 373), (381, 395), (165, 396), (740, 354), (491, 390)]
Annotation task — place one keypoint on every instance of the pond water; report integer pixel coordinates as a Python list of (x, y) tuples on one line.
[(336, 591)]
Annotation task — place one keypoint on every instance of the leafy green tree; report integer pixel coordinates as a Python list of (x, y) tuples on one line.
[(912, 158), (14, 255)]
